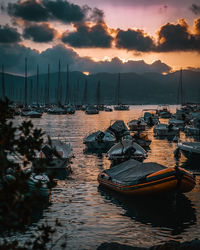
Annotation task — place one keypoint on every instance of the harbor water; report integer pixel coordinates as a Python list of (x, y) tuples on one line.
[(90, 215)]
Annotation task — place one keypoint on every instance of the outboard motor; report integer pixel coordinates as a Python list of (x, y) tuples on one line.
[(48, 152)]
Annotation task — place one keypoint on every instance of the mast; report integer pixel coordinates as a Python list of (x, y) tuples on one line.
[(98, 93), (48, 85), (117, 101), (25, 87), (67, 86), (181, 98), (31, 92), (59, 93), (3, 94), (77, 92), (85, 93), (37, 86)]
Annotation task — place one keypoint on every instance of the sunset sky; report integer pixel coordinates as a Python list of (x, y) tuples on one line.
[(101, 35)]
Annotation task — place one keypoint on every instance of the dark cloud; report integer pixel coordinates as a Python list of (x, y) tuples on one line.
[(195, 9), (64, 11), (30, 10), (97, 15), (85, 36), (13, 59), (9, 34), (134, 40), (44, 10), (197, 26), (39, 33), (177, 37)]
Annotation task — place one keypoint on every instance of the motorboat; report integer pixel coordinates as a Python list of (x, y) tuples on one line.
[(38, 184), (150, 117), (165, 130), (71, 109), (121, 107), (32, 114), (177, 123), (137, 125), (125, 150), (135, 178), (119, 129), (108, 109), (142, 139), (194, 128), (54, 156), (56, 111), (190, 150), (99, 140), (91, 110), (163, 112)]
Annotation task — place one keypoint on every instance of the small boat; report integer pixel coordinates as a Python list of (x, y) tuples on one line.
[(71, 109), (56, 156), (56, 111), (150, 117), (91, 110), (119, 129), (108, 109), (177, 123), (137, 125), (165, 130), (31, 114), (190, 150), (125, 150), (121, 107), (194, 128), (38, 183), (135, 178), (163, 112), (142, 139), (99, 140)]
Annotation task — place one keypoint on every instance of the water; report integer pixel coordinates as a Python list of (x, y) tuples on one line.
[(91, 216)]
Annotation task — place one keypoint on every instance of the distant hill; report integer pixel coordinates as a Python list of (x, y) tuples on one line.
[(148, 88)]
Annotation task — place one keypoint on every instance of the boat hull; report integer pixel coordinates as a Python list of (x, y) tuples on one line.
[(162, 182)]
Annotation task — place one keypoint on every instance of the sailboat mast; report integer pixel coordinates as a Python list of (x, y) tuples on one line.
[(3, 83), (181, 99), (98, 93), (59, 85), (67, 86), (118, 89), (85, 93), (25, 87), (48, 85), (31, 92), (37, 86)]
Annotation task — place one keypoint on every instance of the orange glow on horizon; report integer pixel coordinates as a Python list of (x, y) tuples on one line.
[(86, 73)]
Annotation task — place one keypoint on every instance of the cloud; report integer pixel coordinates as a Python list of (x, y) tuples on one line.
[(39, 32), (9, 34), (177, 37), (134, 40), (197, 26), (13, 59), (29, 10), (195, 9), (85, 36)]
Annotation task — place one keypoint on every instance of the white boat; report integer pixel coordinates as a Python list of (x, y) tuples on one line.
[(57, 111), (99, 140), (31, 114), (56, 156), (165, 130), (108, 109), (190, 150), (125, 150)]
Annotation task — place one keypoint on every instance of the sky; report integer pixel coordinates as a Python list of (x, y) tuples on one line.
[(100, 35)]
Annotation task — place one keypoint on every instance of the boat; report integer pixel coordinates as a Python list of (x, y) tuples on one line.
[(38, 183), (91, 110), (137, 125), (142, 139), (165, 130), (163, 112), (194, 128), (99, 140), (190, 150), (118, 128), (150, 117), (125, 150), (177, 123), (56, 156), (135, 178), (108, 109), (31, 114), (121, 107), (71, 109), (56, 111)]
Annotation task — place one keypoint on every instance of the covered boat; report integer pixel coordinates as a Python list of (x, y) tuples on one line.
[(119, 129), (177, 123), (137, 125), (32, 114), (56, 156), (190, 150), (56, 111), (136, 178), (91, 110), (142, 139), (165, 130), (150, 116), (99, 140), (121, 107), (125, 150)]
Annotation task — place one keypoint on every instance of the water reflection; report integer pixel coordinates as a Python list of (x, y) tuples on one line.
[(174, 213)]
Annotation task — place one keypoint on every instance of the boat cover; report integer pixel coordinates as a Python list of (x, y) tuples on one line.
[(190, 146), (100, 136), (132, 171), (118, 126)]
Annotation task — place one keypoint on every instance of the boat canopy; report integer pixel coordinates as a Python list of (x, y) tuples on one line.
[(131, 171)]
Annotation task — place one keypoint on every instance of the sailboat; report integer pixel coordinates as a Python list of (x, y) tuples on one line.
[(119, 106)]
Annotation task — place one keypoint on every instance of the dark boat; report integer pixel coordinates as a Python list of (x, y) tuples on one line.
[(136, 178), (190, 150)]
